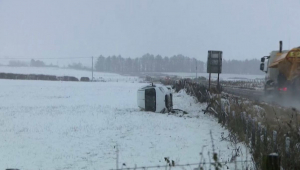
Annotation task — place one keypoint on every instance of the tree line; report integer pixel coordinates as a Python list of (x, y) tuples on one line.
[(154, 63), (148, 63), (32, 63), (241, 66), (176, 63)]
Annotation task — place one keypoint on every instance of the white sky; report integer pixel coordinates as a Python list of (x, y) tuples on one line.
[(83, 28)]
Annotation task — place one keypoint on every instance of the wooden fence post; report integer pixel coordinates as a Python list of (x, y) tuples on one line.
[(233, 119), (223, 117), (287, 146), (244, 121), (249, 128), (219, 108), (265, 132), (253, 135), (275, 141), (258, 137), (271, 162)]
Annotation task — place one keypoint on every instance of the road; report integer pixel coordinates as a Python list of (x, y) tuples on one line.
[(258, 95), (247, 93)]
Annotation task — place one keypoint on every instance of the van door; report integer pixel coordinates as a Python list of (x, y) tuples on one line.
[(150, 100)]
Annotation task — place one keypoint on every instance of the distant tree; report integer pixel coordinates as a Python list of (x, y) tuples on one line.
[(37, 63), (166, 64), (52, 65), (14, 63), (159, 63), (100, 63), (113, 63), (120, 64), (137, 65), (128, 67), (108, 62), (77, 66)]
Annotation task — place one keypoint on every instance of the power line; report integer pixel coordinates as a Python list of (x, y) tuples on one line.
[(45, 58)]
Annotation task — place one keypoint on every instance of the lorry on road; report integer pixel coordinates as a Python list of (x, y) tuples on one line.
[(282, 70)]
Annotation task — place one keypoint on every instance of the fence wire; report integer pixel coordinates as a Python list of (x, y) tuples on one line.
[(195, 166)]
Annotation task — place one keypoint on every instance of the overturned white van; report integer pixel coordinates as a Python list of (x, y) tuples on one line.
[(155, 98)]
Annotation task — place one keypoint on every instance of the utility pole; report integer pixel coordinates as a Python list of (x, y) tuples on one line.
[(92, 68), (196, 70), (117, 159)]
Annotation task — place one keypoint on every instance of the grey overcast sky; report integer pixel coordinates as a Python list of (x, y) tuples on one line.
[(242, 29)]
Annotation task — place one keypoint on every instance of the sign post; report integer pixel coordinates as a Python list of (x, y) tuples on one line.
[(214, 65), (209, 81)]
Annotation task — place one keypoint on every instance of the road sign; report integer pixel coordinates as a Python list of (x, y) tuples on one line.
[(214, 62), (214, 65)]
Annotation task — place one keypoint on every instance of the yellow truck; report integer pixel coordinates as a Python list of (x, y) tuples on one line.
[(282, 71)]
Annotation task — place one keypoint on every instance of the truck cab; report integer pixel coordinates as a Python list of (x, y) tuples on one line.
[(271, 73), (273, 78), (282, 70)]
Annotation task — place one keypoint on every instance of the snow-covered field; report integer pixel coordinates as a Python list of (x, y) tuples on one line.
[(76, 125), (222, 76), (65, 72), (113, 76)]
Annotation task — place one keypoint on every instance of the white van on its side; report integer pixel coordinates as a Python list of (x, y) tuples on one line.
[(156, 98)]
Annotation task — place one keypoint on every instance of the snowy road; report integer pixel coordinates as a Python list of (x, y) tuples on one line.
[(76, 125)]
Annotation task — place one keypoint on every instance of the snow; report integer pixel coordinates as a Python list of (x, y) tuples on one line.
[(223, 76), (65, 72), (76, 125), (113, 76)]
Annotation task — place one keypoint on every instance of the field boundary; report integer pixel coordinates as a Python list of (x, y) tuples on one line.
[(269, 144)]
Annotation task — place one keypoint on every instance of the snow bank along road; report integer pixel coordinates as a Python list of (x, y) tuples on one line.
[(75, 125)]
